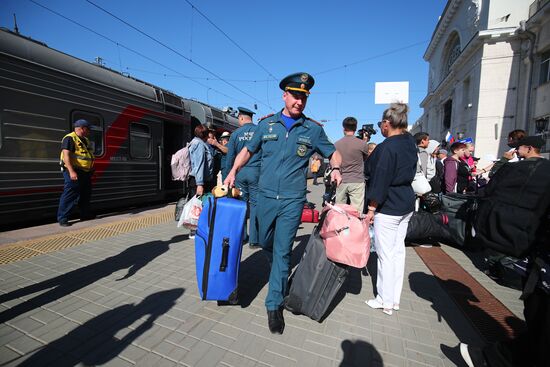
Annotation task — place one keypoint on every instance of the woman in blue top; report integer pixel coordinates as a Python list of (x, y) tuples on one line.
[(392, 167), (202, 166)]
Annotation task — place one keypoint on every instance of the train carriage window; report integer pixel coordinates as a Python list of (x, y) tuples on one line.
[(140, 141), (96, 131)]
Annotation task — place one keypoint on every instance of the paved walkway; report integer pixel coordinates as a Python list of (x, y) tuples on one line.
[(132, 299)]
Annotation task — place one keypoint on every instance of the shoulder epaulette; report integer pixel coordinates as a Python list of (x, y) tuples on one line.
[(266, 116), (317, 122)]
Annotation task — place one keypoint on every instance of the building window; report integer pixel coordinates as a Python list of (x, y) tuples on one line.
[(544, 67), (466, 93), (447, 113), (96, 131), (140, 141), (542, 128), (452, 53)]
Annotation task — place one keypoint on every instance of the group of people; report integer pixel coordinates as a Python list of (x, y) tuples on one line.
[(268, 163), (210, 158)]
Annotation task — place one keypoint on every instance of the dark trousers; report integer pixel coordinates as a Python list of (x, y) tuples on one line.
[(247, 182), (315, 175), (192, 187), (79, 191), (532, 348)]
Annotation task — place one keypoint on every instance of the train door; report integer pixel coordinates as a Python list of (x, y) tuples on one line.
[(175, 137)]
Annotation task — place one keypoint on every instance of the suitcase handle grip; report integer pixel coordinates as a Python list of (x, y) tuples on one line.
[(225, 253)]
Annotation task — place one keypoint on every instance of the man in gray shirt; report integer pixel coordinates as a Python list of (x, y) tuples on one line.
[(354, 153)]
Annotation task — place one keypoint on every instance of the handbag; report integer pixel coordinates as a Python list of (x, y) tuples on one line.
[(346, 235), (309, 214), (420, 184)]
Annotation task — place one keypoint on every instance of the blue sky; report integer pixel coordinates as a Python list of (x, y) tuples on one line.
[(378, 41)]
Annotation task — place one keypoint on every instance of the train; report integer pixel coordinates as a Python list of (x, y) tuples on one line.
[(137, 126)]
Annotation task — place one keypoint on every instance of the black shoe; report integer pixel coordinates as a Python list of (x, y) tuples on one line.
[(275, 321), (254, 246), (64, 224)]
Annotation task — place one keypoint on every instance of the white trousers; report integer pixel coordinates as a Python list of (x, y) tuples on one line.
[(390, 232)]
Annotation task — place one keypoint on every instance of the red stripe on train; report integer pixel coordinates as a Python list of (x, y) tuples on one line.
[(115, 136)]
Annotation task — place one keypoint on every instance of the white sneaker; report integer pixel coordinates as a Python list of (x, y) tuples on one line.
[(396, 307), (373, 303)]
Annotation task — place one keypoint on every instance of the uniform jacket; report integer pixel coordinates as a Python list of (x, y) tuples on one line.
[(285, 154), (239, 138)]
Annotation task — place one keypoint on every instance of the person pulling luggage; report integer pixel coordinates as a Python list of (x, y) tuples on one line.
[(286, 141)]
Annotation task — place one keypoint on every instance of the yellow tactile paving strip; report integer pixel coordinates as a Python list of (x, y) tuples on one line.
[(25, 249)]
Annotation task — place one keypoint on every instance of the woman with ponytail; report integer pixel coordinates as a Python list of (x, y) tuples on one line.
[(392, 167)]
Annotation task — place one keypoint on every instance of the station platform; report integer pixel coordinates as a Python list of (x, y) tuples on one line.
[(121, 291)]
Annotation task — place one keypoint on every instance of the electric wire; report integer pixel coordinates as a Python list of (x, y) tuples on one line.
[(230, 39), (177, 53), (371, 58), (133, 51)]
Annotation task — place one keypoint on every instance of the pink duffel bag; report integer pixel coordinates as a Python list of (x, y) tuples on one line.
[(346, 235)]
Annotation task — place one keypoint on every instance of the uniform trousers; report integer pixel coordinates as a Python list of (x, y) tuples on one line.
[(354, 191), (278, 221), (247, 182), (79, 191), (390, 232)]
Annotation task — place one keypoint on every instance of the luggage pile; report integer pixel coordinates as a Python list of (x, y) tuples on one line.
[(340, 240), (451, 223)]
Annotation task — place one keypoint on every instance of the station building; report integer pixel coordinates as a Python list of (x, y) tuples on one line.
[(489, 73)]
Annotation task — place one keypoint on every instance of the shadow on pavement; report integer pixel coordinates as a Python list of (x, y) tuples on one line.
[(372, 270), (133, 258), (96, 341), (360, 353), (423, 285), (254, 271)]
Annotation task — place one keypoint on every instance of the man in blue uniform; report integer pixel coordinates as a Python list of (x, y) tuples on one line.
[(248, 176), (286, 141)]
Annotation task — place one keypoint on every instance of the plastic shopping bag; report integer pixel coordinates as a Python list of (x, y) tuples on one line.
[(190, 214)]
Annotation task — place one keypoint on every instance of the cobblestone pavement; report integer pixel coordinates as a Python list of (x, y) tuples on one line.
[(132, 299)]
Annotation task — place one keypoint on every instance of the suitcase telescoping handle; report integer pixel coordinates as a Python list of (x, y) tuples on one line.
[(225, 253)]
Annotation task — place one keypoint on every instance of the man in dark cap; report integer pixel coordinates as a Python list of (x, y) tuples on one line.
[(248, 176), (286, 141), (77, 162)]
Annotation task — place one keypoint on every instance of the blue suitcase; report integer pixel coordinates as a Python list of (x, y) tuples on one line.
[(218, 248)]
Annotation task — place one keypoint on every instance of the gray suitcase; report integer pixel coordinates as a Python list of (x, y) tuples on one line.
[(316, 280)]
